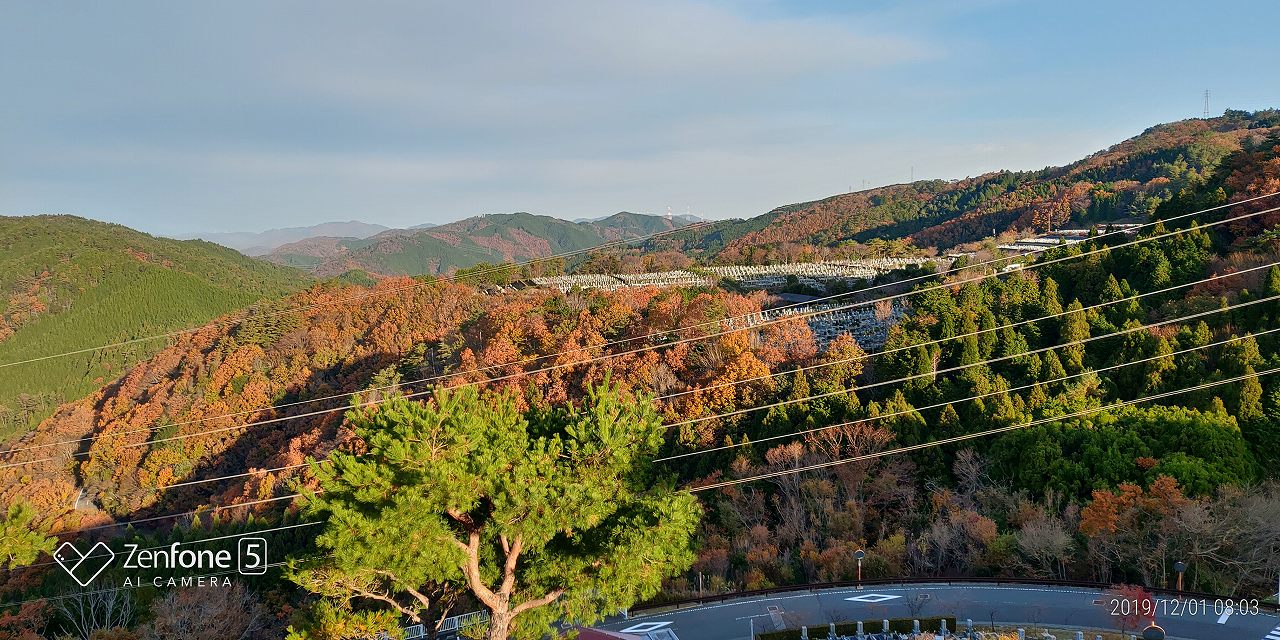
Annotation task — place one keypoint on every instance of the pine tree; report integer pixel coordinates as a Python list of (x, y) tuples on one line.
[(799, 386), (1249, 398), (1050, 299), (948, 422), (1272, 287), (970, 351), (1075, 328), (545, 516), (1156, 369), (1111, 291), (21, 541)]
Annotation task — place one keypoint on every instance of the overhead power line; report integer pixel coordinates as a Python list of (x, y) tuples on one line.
[(865, 356), (843, 424), (194, 512), (872, 354), (783, 403), (791, 318), (976, 435), (940, 405), (367, 294), (830, 463)]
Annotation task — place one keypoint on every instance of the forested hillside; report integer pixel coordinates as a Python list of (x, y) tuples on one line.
[(69, 283), (1098, 477), (1128, 180), (508, 237)]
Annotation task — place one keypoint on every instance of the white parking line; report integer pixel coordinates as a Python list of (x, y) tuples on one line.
[(646, 627), (873, 597)]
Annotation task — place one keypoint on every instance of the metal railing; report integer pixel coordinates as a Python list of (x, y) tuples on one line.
[(462, 621), (820, 586)]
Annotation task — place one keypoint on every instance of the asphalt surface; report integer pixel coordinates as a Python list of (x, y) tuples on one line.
[(1026, 606)]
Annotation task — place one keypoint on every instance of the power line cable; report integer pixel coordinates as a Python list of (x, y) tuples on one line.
[(791, 318), (844, 460), (869, 419), (195, 512), (368, 294), (783, 403), (883, 352), (979, 434), (940, 405)]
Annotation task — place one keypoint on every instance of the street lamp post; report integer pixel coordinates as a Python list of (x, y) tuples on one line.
[(1181, 568), (859, 555)]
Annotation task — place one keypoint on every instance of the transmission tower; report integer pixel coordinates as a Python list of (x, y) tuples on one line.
[(1206, 103)]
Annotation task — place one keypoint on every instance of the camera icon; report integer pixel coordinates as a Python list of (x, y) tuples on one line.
[(253, 556)]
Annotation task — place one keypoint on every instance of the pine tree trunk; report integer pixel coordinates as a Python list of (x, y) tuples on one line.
[(499, 625)]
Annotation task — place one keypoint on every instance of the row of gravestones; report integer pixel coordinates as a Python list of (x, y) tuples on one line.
[(1152, 633)]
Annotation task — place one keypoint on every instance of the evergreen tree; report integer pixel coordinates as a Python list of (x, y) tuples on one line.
[(1240, 356), (545, 516), (1075, 327), (970, 351), (1249, 398), (1050, 299), (1155, 370), (1052, 369), (21, 541), (1111, 291), (1272, 287)]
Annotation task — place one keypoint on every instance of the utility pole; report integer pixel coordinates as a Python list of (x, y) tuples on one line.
[(1206, 104)]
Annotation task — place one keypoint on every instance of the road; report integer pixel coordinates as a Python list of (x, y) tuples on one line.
[(1028, 606)]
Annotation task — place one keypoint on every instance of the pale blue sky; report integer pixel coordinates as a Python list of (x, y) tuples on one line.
[(176, 116)]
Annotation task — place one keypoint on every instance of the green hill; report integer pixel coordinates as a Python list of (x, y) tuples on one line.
[(68, 283), (1129, 179), (502, 237)]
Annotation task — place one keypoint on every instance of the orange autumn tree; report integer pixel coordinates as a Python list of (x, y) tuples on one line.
[(1132, 529)]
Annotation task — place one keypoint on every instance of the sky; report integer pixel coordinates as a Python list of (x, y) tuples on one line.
[(179, 117)]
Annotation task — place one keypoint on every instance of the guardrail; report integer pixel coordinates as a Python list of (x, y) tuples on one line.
[(454, 623), (820, 586)]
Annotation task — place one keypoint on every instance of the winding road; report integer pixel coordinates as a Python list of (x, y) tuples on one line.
[(1018, 605)]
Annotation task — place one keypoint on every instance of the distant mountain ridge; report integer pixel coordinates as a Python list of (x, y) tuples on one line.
[(1125, 180), (1128, 179), (260, 243), (503, 237)]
